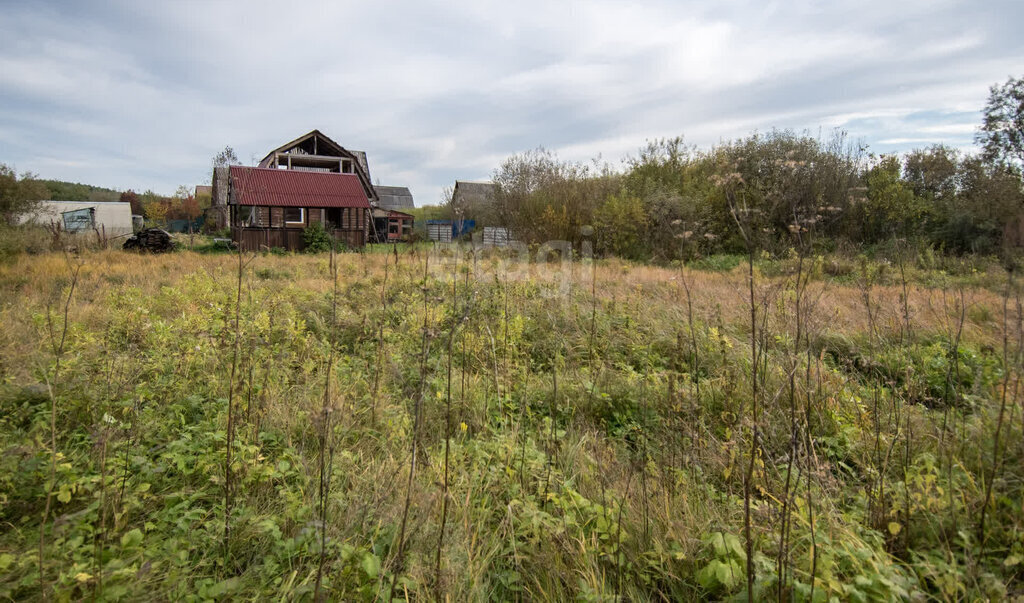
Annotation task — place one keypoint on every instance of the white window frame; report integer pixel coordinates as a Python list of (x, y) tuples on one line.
[(302, 214)]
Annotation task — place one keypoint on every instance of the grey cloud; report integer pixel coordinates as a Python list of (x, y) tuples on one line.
[(141, 95)]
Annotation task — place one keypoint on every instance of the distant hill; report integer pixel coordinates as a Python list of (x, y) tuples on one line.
[(74, 191)]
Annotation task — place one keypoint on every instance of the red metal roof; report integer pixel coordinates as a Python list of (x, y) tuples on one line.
[(296, 188)]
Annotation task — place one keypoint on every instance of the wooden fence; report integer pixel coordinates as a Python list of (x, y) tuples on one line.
[(255, 239)]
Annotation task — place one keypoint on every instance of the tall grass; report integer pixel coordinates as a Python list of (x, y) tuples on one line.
[(504, 443), (57, 337)]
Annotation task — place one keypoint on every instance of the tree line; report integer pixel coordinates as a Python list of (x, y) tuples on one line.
[(673, 201), (20, 194), (158, 209)]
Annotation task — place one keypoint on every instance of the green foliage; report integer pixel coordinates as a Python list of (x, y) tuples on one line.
[(933, 173), (15, 240), (59, 190), (726, 570), (18, 194), (717, 263), (541, 198), (1002, 131), (620, 224), (890, 208), (790, 190), (154, 207), (921, 372), (316, 239), (975, 221)]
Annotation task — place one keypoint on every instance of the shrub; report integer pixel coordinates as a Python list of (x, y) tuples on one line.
[(317, 239), (15, 240)]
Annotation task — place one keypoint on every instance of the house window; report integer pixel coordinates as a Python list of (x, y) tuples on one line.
[(294, 215), (246, 215), (77, 220)]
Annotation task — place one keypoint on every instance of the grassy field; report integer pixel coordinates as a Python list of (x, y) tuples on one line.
[(435, 426)]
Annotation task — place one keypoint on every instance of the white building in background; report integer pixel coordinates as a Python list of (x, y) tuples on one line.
[(112, 218)]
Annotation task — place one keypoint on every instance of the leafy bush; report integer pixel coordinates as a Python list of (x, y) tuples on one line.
[(15, 240), (726, 570), (316, 239)]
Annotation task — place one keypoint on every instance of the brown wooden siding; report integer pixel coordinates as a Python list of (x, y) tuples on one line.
[(269, 230), (255, 239), (263, 217), (351, 238)]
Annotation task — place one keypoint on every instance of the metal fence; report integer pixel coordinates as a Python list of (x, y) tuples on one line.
[(439, 230), (497, 236)]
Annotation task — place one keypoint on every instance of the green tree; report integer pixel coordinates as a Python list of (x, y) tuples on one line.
[(542, 198), (785, 181), (620, 225), (890, 207), (154, 207), (986, 214), (18, 195), (59, 190), (659, 167), (933, 173), (1002, 131), (678, 198)]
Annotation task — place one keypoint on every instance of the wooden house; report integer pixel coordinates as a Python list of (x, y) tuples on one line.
[(311, 179), (315, 152), (273, 207), (397, 198), (473, 198), (390, 225)]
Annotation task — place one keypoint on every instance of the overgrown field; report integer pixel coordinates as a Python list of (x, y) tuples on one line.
[(458, 428)]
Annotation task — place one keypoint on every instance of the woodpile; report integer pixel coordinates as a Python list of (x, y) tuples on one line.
[(153, 240)]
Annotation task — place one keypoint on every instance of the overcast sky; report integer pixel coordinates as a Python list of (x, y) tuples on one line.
[(142, 94)]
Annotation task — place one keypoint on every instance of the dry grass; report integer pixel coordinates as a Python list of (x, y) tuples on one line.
[(28, 282), (500, 521)]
